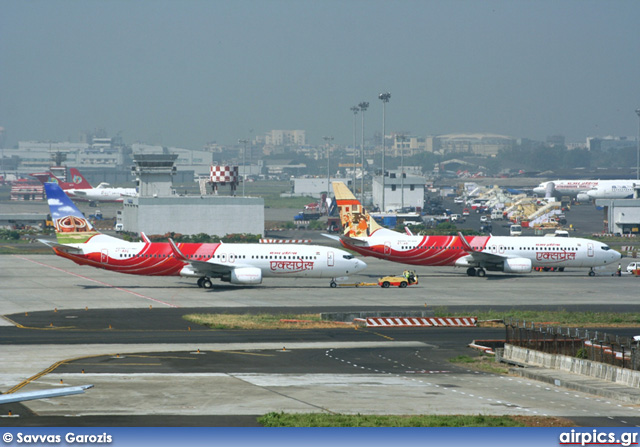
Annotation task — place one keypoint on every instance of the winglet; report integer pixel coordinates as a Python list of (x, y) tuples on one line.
[(465, 243), (176, 251), (145, 238)]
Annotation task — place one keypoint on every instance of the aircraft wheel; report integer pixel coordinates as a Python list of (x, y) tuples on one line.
[(385, 284), (333, 284), (592, 273), (481, 273), (561, 269), (200, 281), (207, 284), (471, 271), (403, 285)]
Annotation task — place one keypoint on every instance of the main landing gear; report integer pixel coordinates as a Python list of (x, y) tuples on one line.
[(205, 283), (479, 272)]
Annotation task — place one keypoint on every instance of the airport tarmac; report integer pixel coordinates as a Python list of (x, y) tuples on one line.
[(152, 367)]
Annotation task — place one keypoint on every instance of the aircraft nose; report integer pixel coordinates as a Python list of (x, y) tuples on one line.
[(360, 265)]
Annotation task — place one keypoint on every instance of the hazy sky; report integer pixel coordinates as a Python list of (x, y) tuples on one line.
[(181, 73)]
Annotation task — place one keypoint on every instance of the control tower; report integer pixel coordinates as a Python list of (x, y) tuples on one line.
[(154, 173)]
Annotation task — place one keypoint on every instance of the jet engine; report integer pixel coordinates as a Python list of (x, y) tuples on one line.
[(517, 265), (244, 275), (583, 197)]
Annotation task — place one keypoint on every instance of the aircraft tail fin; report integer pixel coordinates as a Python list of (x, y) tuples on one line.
[(356, 222), (70, 224), (78, 180)]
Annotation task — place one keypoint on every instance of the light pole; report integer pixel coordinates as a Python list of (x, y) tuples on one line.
[(384, 97), (355, 110), (244, 166), (638, 150), (402, 139), (328, 141), (363, 108)]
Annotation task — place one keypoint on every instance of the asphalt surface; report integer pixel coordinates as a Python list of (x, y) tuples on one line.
[(70, 325)]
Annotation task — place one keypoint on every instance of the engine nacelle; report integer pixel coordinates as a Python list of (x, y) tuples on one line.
[(244, 275), (517, 265), (582, 197)]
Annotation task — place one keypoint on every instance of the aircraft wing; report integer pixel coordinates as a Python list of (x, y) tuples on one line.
[(348, 240), (61, 247), (205, 268), (480, 256), (44, 394)]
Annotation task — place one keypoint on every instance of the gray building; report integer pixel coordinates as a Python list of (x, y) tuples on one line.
[(157, 211), (622, 215), (393, 197), (213, 215)]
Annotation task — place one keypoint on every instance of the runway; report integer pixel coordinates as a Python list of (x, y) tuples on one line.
[(126, 335)]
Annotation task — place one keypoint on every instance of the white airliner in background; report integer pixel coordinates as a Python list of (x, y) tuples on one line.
[(101, 193), (584, 190), (79, 188)]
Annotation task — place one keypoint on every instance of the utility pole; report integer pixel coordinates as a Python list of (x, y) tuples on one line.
[(244, 166), (363, 108), (384, 97), (328, 141), (355, 110)]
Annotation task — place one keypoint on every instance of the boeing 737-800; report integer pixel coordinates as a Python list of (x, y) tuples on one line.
[(508, 254), (78, 241)]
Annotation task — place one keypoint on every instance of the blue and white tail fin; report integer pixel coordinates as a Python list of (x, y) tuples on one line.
[(70, 224)]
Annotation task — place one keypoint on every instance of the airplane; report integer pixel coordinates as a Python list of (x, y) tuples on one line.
[(9, 398), (80, 188), (620, 189), (77, 240), (478, 254), (581, 188), (77, 180)]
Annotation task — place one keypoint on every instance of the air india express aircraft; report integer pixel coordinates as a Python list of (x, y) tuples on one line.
[(478, 254), (78, 241)]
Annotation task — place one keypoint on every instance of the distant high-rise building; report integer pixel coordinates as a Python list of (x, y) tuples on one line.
[(286, 138)]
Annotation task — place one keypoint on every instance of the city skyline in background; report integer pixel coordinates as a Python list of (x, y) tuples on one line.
[(189, 73)]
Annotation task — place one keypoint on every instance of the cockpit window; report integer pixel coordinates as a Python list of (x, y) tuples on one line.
[(605, 247), (348, 256)]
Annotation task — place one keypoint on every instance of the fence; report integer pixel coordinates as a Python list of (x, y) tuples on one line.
[(597, 346)]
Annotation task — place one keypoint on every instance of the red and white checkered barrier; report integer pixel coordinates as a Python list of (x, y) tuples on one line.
[(419, 321)]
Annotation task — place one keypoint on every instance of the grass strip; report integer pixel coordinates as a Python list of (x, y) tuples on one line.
[(262, 321), (361, 420)]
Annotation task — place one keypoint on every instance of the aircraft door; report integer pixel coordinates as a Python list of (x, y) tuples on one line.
[(330, 259), (104, 256), (387, 248), (590, 251)]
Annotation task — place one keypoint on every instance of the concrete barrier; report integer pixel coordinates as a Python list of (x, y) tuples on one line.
[(583, 367)]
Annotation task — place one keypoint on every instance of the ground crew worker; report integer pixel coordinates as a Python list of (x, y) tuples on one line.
[(619, 272)]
